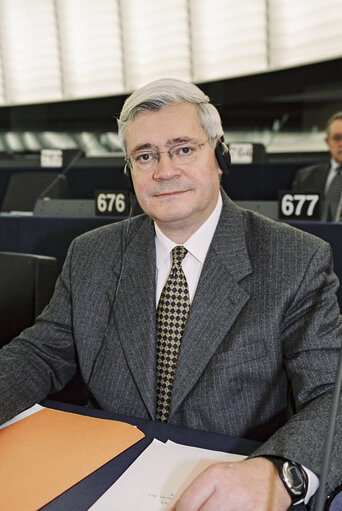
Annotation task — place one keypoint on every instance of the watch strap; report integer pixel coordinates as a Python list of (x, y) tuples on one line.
[(285, 466)]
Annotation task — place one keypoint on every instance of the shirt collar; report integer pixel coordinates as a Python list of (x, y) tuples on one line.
[(198, 244), (335, 165)]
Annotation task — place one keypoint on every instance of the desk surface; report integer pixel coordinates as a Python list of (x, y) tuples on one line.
[(81, 496)]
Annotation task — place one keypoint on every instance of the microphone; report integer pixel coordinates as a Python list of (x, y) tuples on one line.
[(277, 127), (320, 503), (62, 175)]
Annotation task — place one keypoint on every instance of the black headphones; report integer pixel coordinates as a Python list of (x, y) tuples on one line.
[(128, 177), (221, 152), (223, 156)]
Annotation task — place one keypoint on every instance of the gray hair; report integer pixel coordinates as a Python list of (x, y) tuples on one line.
[(331, 119), (165, 92)]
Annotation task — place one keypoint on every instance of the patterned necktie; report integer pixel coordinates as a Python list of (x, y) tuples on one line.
[(172, 313), (334, 192)]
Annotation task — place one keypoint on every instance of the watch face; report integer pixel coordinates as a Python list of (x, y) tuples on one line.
[(294, 478)]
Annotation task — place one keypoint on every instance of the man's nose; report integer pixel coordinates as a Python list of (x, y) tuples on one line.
[(165, 168)]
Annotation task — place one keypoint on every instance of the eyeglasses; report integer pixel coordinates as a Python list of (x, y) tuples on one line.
[(337, 137), (181, 154)]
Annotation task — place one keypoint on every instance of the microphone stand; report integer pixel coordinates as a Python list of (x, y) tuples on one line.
[(61, 175), (321, 498)]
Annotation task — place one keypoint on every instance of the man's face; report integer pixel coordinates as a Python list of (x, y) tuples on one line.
[(179, 197), (334, 140)]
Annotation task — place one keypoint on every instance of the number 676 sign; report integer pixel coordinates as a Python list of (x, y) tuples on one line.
[(299, 206), (112, 202)]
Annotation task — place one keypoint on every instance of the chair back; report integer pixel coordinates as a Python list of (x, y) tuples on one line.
[(27, 284)]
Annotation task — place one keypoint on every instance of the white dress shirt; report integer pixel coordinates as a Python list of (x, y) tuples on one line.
[(331, 174), (197, 246)]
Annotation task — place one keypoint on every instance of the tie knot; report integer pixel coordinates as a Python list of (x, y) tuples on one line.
[(178, 254)]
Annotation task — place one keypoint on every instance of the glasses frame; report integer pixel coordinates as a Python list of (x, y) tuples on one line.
[(157, 154), (336, 138)]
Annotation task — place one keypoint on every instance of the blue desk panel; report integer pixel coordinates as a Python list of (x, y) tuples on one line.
[(51, 236)]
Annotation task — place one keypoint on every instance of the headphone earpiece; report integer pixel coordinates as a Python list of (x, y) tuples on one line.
[(223, 156), (127, 174)]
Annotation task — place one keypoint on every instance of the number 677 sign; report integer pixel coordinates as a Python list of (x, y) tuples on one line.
[(299, 206)]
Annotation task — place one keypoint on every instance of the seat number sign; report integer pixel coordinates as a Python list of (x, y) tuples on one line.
[(111, 202), (299, 206)]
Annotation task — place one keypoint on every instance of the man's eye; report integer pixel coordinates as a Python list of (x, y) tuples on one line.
[(144, 157), (185, 150)]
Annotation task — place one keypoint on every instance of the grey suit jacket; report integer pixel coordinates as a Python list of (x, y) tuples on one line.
[(264, 325), (311, 178)]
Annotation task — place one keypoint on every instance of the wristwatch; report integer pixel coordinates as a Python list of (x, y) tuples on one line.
[(292, 476)]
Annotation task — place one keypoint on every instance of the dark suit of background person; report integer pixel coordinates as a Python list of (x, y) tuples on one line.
[(312, 178), (264, 323), (317, 178)]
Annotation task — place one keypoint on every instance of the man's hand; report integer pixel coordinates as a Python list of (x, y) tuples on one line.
[(249, 485)]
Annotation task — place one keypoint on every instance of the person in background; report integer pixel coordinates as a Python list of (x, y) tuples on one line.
[(326, 178), (196, 313)]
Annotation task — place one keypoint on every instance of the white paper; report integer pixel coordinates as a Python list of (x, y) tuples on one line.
[(22, 415), (158, 476)]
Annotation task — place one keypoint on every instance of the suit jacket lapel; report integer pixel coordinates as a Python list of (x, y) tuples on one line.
[(321, 177), (227, 262), (135, 312)]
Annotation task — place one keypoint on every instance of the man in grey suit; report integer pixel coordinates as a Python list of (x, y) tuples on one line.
[(325, 178), (259, 351)]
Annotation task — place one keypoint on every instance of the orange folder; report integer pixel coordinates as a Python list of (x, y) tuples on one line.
[(46, 453)]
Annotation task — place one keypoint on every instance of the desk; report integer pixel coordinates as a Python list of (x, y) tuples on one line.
[(81, 496)]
